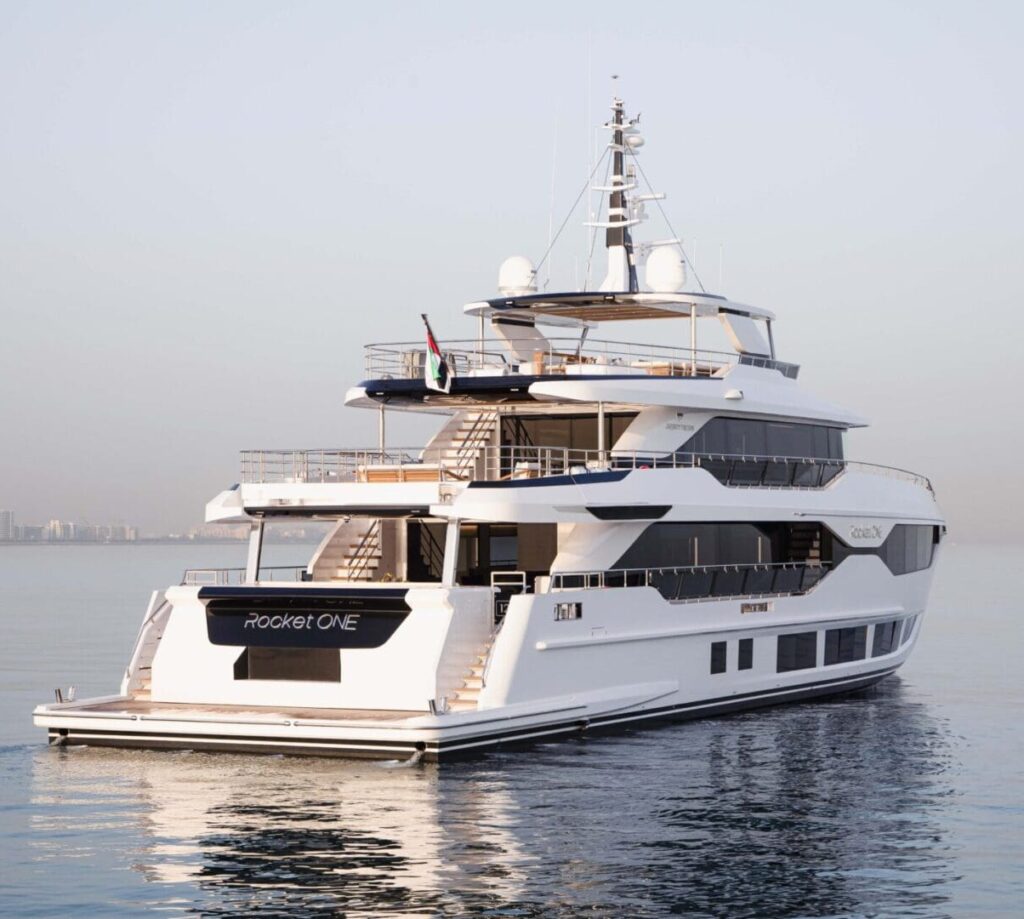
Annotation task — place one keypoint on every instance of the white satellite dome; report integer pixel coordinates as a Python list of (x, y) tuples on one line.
[(665, 272), (517, 277)]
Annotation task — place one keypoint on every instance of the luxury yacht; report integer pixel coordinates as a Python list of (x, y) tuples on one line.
[(601, 533)]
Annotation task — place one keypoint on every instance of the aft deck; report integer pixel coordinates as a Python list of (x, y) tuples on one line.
[(148, 710)]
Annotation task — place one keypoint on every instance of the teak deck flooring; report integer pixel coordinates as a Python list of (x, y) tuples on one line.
[(148, 707)]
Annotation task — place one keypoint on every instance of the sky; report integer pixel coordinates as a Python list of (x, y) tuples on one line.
[(207, 209)]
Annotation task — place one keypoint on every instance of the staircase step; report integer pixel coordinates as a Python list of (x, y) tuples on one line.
[(459, 706), (473, 682)]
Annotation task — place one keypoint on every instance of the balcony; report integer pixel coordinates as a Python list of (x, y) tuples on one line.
[(496, 464), (558, 357), (223, 577)]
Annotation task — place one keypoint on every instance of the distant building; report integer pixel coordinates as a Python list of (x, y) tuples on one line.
[(6, 525)]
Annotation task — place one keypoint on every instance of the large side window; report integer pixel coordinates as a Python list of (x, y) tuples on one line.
[(683, 545), (908, 548), (798, 651), (755, 437), (886, 638), (845, 645)]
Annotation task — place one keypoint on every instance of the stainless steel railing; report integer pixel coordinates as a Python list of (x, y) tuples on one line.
[(411, 464), (221, 577), (701, 582), (406, 360)]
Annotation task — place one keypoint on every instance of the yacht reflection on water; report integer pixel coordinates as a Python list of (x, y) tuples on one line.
[(814, 809)]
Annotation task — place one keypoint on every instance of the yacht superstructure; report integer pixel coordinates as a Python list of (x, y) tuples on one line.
[(600, 533)]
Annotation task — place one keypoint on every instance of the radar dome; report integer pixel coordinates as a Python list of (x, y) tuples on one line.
[(665, 272), (517, 277), (634, 141)]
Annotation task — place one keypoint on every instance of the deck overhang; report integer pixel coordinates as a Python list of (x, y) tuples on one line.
[(586, 309)]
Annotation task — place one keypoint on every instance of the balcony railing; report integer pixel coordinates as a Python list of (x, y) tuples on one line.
[(701, 582), (222, 577), (406, 360), (491, 464)]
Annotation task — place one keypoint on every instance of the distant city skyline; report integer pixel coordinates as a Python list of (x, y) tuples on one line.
[(60, 530), (209, 209), (57, 530)]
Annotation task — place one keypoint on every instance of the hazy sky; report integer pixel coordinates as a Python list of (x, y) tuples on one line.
[(206, 209)]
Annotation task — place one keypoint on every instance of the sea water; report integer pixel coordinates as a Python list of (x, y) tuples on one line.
[(904, 800)]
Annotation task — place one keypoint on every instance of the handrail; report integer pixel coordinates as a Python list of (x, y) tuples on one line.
[(522, 461), (557, 356), (434, 551), (701, 582), (359, 561), (220, 577)]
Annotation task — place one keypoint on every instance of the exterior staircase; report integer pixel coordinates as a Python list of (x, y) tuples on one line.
[(467, 696), (138, 678), (458, 445), (352, 552), (805, 543)]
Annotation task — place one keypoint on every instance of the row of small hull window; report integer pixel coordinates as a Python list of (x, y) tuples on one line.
[(799, 650)]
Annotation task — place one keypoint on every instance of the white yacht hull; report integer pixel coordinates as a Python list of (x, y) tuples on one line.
[(545, 678)]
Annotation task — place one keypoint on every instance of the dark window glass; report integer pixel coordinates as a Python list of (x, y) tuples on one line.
[(908, 548), (746, 656), (820, 442), (908, 628), (308, 664), (746, 472), (718, 656), (694, 584), (845, 645), (893, 549), (835, 443), (675, 545), (807, 474), (798, 651), (779, 472), (886, 638), (754, 437), (745, 437), (578, 432), (729, 582), (722, 559)]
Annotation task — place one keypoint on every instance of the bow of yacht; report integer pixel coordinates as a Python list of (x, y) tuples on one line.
[(601, 532)]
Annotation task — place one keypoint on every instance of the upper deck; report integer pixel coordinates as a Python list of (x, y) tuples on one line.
[(473, 359)]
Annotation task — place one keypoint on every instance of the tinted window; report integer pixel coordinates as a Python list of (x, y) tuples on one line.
[(797, 652), (754, 437), (718, 649), (319, 664), (908, 628), (886, 638), (746, 659), (682, 545), (578, 432), (908, 548), (845, 645)]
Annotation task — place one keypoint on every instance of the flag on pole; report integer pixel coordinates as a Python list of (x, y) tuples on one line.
[(435, 374)]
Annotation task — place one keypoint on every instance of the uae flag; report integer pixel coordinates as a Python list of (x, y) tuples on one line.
[(435, 373)]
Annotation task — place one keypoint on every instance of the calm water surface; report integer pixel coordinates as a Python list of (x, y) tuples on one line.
[(906, 800)]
